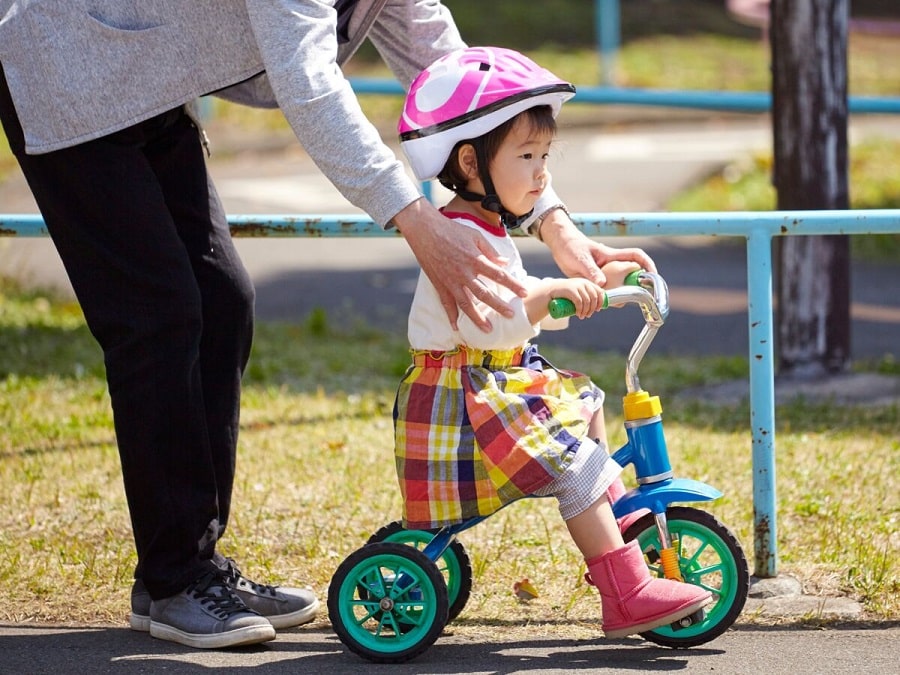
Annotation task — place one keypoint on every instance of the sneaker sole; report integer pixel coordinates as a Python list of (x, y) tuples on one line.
[(298, 618), (662, 621), (249, 635), (139, 622)]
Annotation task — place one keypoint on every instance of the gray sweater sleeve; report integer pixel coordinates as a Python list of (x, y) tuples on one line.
[(298, 43), (409, 36)]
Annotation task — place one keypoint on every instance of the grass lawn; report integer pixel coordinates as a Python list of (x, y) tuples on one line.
[(316, 476)]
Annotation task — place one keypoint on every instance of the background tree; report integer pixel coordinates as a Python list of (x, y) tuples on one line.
[(809, 112)]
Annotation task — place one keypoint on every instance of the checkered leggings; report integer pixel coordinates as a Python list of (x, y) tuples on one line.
[(584, 481)]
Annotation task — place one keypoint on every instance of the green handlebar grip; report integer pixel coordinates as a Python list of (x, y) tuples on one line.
[(633, 278), (560, 308)]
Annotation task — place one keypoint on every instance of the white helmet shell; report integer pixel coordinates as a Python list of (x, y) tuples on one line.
[(467, 93)]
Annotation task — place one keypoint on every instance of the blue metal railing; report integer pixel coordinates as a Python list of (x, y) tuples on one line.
[(726, 101), (607, 19), (758, 228)]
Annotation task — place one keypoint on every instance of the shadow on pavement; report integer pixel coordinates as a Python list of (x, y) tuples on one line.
[(744, 649)]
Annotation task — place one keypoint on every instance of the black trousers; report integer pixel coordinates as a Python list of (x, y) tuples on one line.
[(145, 243)]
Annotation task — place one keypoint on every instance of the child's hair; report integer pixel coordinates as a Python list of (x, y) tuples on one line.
[(540, 120)]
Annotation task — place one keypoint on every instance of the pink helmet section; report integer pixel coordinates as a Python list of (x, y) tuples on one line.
[(467, 93)]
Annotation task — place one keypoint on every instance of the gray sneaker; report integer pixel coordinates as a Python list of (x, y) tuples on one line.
[(208, 615), (284, 607), (140, 607)]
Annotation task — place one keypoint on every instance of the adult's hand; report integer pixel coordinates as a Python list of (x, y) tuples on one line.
[(577, 255), (453, 256)]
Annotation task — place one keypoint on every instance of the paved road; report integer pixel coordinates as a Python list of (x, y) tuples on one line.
[(613, 170), (744, 651)]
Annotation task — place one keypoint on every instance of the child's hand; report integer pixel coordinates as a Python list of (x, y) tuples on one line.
[(584, 294), (616, 271)]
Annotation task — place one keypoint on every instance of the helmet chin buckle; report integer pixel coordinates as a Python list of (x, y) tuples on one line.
[(492, 203), (511, 221), (508, 219)]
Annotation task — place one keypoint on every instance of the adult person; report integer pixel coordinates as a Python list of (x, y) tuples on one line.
[(96, 101)]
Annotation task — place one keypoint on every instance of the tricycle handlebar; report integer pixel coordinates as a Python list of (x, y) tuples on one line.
[(650, 292), (646, 289)]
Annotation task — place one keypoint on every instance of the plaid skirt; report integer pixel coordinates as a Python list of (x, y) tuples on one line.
[(475, 430)]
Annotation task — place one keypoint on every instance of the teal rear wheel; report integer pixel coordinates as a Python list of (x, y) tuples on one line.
[(453, 563), (387, 602)]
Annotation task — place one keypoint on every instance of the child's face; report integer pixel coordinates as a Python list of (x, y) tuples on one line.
[(519, 169)]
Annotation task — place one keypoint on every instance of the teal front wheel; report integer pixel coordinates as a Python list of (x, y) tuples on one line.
[(709, 556), (387, 602)]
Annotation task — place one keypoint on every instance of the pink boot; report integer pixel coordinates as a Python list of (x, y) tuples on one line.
[(633, 601), (615, 491)]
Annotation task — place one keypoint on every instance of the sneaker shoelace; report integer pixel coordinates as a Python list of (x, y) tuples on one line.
[(213, 592), (234, 576)]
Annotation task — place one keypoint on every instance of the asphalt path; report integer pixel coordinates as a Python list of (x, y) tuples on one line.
[(613, 169)]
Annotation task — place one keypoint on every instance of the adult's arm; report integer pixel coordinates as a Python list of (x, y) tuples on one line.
[(577, 255), (298, 43), (453, 256)]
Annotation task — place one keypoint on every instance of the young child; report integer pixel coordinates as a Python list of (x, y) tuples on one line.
[(481, 419)]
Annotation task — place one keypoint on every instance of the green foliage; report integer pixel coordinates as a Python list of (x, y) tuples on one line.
[(311, 357), (887, 365), (573, 23), (559, 22), (746, 185), (702, 62), (40, 336), (317, 322), (874, 178)]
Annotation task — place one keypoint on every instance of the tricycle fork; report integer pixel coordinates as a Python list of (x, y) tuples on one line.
[(657, 487)]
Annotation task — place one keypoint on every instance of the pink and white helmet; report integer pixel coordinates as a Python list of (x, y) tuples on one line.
[(465, 94)]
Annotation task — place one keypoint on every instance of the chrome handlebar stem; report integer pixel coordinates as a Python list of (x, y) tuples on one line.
[(652, 295)]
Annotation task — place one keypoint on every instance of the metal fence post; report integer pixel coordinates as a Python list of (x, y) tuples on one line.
[(762, 400), (608, 21)]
